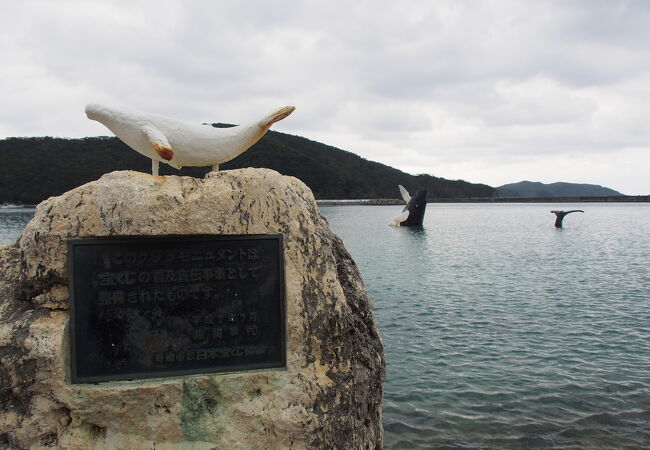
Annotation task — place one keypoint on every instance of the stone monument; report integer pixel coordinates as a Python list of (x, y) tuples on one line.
[(321, 389)]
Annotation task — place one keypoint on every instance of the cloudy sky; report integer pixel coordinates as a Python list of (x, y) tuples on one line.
[(486, 91)]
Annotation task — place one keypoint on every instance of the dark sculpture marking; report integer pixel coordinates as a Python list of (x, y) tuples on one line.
[(559, 216)]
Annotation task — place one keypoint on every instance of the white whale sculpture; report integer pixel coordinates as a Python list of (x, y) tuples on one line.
[(179, 143)]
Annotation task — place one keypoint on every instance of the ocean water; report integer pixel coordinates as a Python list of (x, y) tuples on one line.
[(501, 331), (12, 222)]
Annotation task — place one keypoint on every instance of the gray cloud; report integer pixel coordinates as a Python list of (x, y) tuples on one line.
[(493, 91)]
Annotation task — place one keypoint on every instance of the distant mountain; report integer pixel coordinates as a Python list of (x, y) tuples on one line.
[(34, 169), (536, 189)]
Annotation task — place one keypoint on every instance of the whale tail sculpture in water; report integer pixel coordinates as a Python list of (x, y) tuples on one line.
[(182, 144), (413, 213), (559, 216)]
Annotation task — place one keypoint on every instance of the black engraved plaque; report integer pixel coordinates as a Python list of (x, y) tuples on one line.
[(143, 307)]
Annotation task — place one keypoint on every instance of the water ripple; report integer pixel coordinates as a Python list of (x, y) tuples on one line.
[(501, 332)]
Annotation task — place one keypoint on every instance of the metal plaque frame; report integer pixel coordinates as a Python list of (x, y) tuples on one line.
[(132, 298)]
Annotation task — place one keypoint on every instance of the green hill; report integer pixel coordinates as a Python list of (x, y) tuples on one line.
[(34, 169), (529, 189)]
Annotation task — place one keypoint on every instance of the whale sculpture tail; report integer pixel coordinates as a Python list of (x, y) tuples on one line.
[(559, 216), (276, 116)]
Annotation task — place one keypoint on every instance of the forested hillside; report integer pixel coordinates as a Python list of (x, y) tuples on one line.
[(536, 189), (34, 169)]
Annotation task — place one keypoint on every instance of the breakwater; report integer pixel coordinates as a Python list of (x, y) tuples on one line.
[(368, 202)]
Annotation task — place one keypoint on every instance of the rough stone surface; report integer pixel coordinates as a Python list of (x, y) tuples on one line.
[(329, 395)]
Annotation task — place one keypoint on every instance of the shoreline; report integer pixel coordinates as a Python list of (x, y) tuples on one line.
[(395, 201)]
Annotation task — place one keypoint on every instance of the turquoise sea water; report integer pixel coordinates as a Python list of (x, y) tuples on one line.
[(12, 222), (499, 330)]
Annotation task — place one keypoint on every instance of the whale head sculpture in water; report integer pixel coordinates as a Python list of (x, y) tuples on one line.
[(559, 216), (413, 213), (182, 144)]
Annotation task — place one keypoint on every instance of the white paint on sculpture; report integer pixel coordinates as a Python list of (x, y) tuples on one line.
[(405, 194), (179, 143), (405, 213)]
